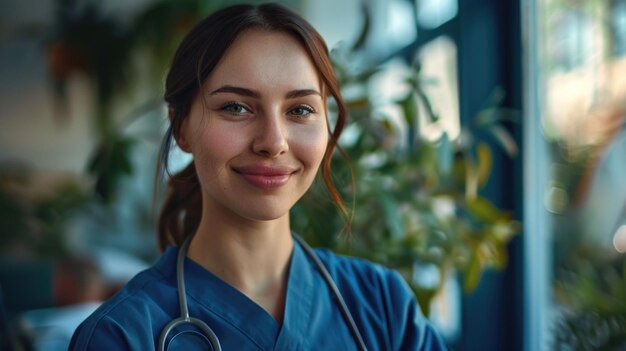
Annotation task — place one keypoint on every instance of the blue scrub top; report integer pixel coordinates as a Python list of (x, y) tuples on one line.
[(382, 304)]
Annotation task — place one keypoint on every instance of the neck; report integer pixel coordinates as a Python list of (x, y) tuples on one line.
[(252, 256)]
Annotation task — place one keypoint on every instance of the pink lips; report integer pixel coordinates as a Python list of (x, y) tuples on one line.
[(265, 177)]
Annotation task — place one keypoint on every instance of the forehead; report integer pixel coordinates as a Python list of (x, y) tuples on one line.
[(265, 59)]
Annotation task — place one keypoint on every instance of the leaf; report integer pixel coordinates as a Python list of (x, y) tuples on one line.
[(388, 126), (484, 211), (502, 231), (430, 113), (505, 139), (496, 97), (484, 163), (472, 272), (500, 256), (392, 215), (358, 103), (410, 112), (493, 115), (424, 298), (471, 175), (110, 164), (617, 287)]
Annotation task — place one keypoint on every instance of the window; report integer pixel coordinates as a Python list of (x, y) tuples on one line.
[(577, 95)]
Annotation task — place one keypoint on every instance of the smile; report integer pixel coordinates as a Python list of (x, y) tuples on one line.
[(265, 177)]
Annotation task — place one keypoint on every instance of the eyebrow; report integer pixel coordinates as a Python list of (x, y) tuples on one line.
[(255, 94), (302, 93)]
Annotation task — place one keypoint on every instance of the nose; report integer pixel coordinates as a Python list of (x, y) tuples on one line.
[(271, 138)]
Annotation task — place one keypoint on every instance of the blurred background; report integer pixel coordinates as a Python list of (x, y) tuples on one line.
[(487, 139)]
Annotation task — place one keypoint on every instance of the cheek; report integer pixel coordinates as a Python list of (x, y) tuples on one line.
[(214, 146), (312, 145)]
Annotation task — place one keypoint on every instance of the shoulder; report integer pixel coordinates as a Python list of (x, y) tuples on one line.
[(362, 274), (128, 320), (383, 303)]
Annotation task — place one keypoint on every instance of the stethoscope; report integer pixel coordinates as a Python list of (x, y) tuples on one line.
[(206, 330)]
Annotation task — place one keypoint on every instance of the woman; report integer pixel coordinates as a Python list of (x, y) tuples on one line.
[(247, 93)]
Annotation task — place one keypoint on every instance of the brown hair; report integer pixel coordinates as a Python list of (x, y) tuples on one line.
[(196, 57)]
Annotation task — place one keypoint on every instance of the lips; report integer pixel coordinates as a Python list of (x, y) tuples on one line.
[(265, 177)]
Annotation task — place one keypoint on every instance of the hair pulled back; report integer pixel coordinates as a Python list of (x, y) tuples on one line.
[(195, 58)]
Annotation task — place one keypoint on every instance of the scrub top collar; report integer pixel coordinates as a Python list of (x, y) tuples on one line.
[(234, 307)]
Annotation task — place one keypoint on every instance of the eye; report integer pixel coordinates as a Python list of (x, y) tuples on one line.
[(234, 108), (302, 111)]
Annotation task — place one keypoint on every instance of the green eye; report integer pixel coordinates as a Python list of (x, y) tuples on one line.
[(234, 108), (302, 111)]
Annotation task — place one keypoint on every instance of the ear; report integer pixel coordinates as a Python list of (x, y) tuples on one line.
[(180, 133)]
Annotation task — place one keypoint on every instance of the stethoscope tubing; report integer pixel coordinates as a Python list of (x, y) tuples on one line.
[(335, 290), (208, 332), (182, 303)]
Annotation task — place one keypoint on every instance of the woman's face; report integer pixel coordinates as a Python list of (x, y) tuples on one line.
[(257, 129)]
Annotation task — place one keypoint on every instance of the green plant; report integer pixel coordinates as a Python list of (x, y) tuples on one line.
[(34, 217), (416, 201), (592, 292)]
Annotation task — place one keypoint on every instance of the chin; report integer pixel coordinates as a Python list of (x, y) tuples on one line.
[(266, 214)]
